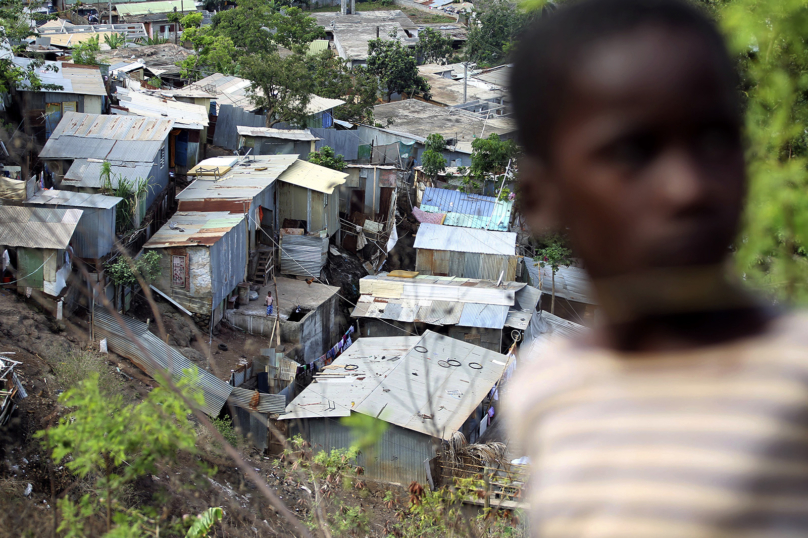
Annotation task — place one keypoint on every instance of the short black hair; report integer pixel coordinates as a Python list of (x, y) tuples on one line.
[(551, 45)]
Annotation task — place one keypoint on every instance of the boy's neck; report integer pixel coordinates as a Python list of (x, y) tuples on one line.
[(675, 309)]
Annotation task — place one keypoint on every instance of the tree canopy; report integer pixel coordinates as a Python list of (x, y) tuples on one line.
[(432, 161), (396, 68), (493, 31), (433, 47), (246, 42), (326, 157)]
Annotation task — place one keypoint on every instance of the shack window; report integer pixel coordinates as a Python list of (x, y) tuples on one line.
[(162, 158), (178, 271)]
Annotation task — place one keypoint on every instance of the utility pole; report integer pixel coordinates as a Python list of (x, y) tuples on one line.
[(110, 13), (175, 25), (465, 80)]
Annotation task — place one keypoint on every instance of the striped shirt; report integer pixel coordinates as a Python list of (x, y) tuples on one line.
[(705, 443)]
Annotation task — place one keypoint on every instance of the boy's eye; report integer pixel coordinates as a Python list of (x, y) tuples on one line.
[(715, 141), (633, 152)]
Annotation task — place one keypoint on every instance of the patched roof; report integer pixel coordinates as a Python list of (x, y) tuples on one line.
[(107, 137), (457, 239), (417, 389), (194, 229)]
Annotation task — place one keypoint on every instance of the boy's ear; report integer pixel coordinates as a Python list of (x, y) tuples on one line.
[(538, 194)]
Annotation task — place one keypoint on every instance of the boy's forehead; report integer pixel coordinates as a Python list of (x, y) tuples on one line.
[(646, 62)]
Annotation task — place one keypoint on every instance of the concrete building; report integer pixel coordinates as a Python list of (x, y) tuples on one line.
[(136, 148), (204, 258), (466, 252), (154, 16), (38, 239), (448, 91), (426, 388), (475, 311), (351, 31), (308, 317), (458, 127), (187, 139)]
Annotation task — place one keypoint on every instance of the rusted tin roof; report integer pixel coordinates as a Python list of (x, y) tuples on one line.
[(193, 229), (241, 182)]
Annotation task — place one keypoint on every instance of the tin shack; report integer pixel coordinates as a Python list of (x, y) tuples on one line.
[(425, 388), (204, 257), (466, 252)]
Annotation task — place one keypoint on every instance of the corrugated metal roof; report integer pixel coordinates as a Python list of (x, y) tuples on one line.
[(283, 134), (427, 287), (72, 198), (456, 239), (519, 320), (87, 173), (444, 301), (161, 6), (268, 403), (528, 297), (83, 80), (571, 283), (318, 45), (160, 358), (105, 137), (498, 76), (468, 210), (325, 399), (545, 328), (244, 180), (185, 115), (314, 177), (234, 91), (483, 316), (37, 227), (409, 389), (192, 229)]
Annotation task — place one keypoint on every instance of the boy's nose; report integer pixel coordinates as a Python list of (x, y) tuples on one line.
[(684, 183)]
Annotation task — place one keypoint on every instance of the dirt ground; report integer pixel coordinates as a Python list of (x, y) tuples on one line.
[(39, 343)]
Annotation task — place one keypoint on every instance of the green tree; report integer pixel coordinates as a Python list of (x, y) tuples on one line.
[(280, 86), (86, 53), (432, 161), (212, 54), (331, 77), (115, 41), (326, 157), (492, 32), (396, 68), (124, 272), (554, 255), (490, 156), (433, 47), (768, 37), (113, 444)]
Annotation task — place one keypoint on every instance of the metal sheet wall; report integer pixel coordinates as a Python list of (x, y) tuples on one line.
[(465, 264), (345, 143), (398, 457), (230, 117), (228, 262)]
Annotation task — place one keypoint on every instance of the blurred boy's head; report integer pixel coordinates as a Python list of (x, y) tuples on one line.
[(630, 121)]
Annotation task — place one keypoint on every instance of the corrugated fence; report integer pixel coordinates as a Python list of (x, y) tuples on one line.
[(303, 255), (230, 117), (162, 357)]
